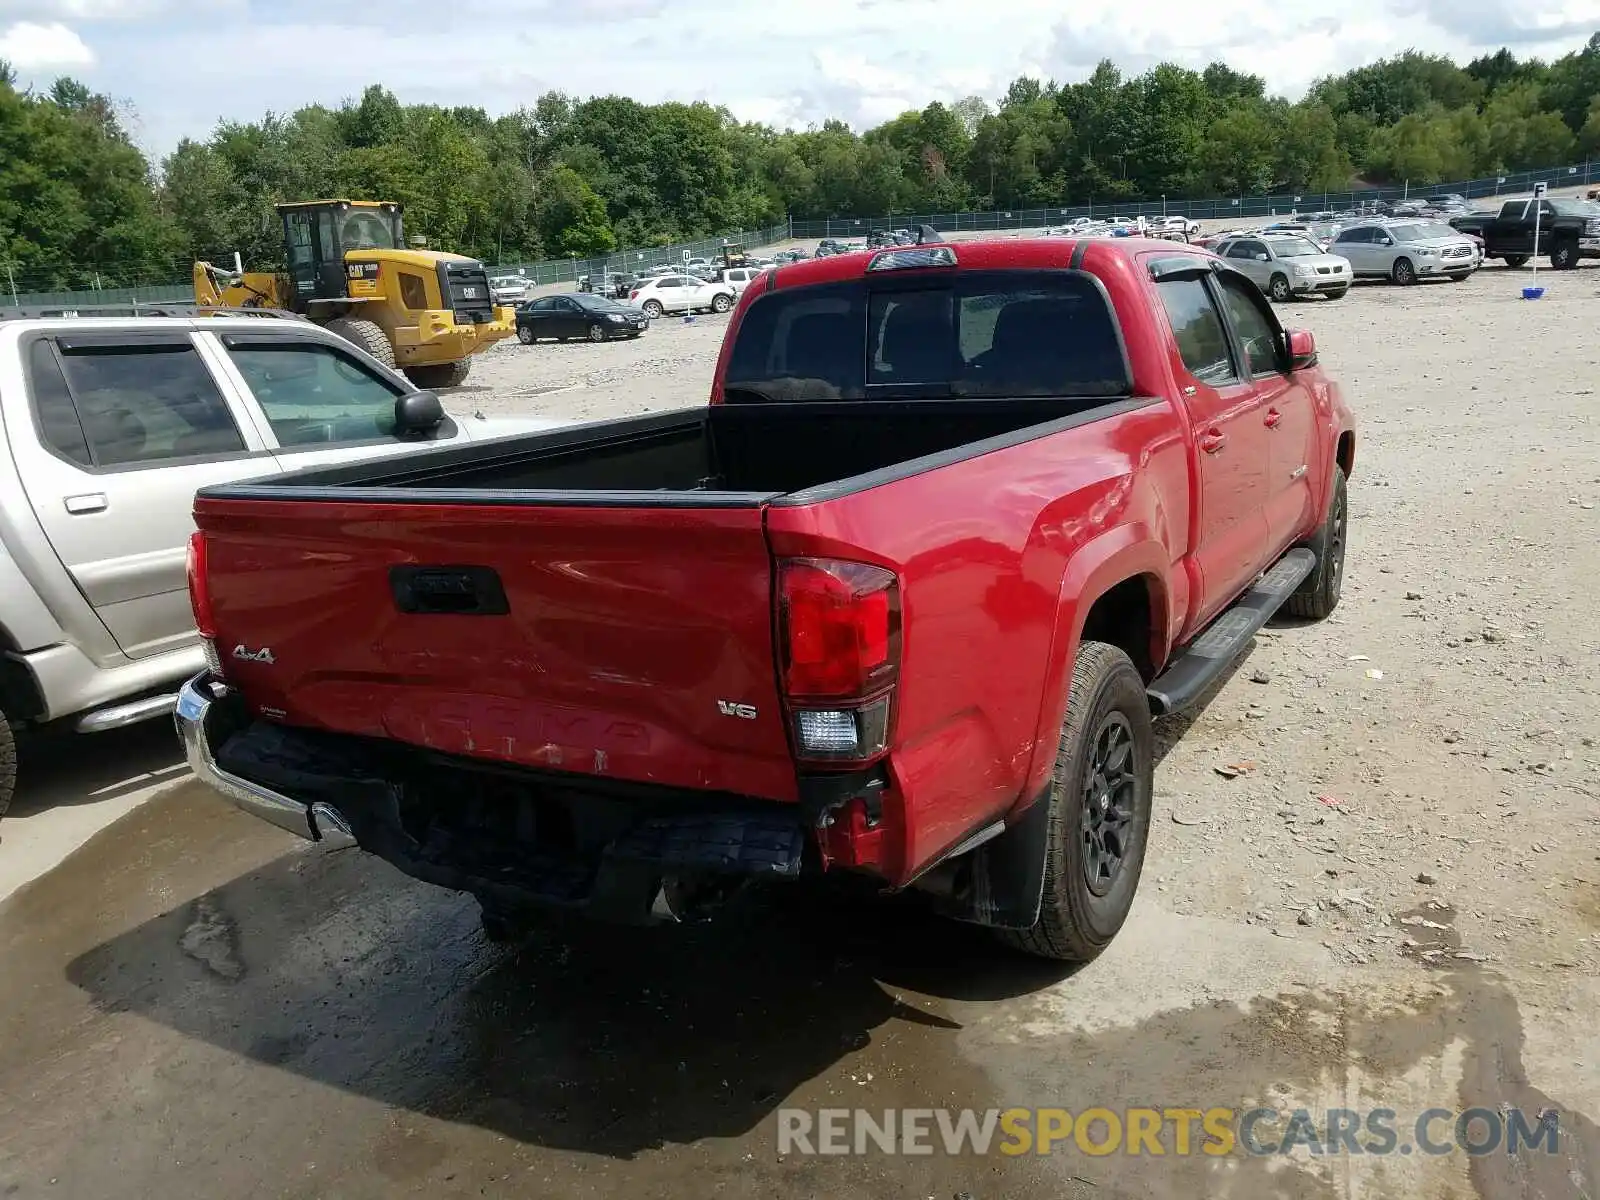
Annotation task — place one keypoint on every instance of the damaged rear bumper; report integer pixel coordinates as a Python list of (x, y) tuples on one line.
[(196, 700), (515, 840)]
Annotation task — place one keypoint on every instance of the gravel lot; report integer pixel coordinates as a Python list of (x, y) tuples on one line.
[(1374, 881)]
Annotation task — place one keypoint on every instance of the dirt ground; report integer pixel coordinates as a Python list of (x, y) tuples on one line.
[(1374, 881)]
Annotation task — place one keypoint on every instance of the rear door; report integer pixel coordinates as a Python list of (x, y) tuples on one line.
[(569, 320), (1355, 245), (614, 638), (1226, 413), (128, 425)]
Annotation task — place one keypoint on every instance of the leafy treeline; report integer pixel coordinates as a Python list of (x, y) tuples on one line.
[(566, 176)]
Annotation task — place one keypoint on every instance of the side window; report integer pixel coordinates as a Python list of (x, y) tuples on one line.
[(139, 404), (59, 426), (671, 281), (548, 304), (312, 395), (1257, 333), (413, 291), (1238, 250), (566, 306), (300, 233), (1197, 328)]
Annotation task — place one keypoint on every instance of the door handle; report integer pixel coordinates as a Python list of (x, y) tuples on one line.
[(1274, 418), (1212, 441), (90, 502)]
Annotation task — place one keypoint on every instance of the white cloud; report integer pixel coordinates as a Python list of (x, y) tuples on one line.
[(861, 61), (29, 46)]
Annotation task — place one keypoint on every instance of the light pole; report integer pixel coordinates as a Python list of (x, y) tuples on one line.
[(1163, 204)]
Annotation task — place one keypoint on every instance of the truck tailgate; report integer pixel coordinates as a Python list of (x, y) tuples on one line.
[(632, 643)]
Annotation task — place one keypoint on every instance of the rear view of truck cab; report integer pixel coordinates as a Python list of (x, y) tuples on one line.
[(889, 605)]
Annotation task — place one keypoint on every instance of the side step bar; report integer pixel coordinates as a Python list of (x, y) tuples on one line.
[(1196, 666)]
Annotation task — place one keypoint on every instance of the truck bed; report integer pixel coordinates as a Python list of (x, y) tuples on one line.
[(735, 454)]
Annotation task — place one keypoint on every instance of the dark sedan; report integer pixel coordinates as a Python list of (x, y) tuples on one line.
[(580, 315)]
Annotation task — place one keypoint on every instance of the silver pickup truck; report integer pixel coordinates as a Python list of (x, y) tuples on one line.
[(107, 428)]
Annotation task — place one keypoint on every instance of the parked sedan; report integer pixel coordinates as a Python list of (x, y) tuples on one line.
[(681, 293), (1289, 265), (1406, 251), (583, 315)]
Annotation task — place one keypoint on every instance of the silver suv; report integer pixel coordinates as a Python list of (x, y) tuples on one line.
[(1288, 264), (107, 428), (1406, 251)]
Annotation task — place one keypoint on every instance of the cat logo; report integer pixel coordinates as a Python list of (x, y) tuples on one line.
[(729, 708)]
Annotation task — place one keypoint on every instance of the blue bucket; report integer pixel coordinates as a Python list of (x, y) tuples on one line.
[(1532, 293)]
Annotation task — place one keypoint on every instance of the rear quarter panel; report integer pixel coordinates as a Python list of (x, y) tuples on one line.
[(983, 547)]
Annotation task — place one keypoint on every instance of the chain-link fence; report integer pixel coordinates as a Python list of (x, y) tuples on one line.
[(538, 274), (1214, 208)]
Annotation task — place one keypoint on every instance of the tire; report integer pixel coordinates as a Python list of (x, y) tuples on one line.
[(1516, 260), (1278, 288), (8, 764), (440, 375), (653, 309), (1106, 709), (1336, 294), (1403, 272), (1318, 596), (367, 335), (597, 333), (1564, 256), (721, 302), (525, 335)]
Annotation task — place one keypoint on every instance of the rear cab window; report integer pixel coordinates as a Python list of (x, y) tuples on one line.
[(1009, 333)]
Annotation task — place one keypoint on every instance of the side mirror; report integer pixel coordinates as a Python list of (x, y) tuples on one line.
[(1263, 258), (1302, 349), (417, 413)]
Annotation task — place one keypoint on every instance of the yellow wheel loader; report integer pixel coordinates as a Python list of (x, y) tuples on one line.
[(350, 270)]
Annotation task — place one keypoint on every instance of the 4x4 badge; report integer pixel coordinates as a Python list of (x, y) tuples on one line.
[(263, 655)]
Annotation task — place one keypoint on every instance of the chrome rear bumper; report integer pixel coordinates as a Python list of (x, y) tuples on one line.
[(318, 822)]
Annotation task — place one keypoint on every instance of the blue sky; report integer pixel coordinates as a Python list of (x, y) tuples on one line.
[(180, 66)]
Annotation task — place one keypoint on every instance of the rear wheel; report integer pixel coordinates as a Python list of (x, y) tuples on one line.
[(1278, 289), (1403, 272), (597, 333), (721, 302), (525, 335), (1516, 260), (653, 309), (1318, 596), (440, 375), (1564, 256), (1099, 803), (368, 335), (8, 764)]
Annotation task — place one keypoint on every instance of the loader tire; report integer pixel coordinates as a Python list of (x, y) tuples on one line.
[(367, 335), (1099, 798), (440, 375)]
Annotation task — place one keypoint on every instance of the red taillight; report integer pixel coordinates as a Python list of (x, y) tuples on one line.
[(840, 632), (841, 628), (633, 295), (199, 588)]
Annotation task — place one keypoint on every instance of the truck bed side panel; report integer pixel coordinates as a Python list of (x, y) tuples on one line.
[(981, 567), (624, 629)]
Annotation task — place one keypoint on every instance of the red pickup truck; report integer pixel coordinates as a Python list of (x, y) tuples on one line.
[(901, 600)]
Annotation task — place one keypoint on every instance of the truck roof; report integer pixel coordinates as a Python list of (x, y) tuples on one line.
[(1000, 254)]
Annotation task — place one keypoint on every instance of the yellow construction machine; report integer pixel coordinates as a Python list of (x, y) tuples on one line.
[(349, 269)]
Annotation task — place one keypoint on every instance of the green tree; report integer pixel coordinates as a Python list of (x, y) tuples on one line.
[(572, 217)]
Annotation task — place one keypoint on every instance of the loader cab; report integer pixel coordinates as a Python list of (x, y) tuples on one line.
[(318, 234)]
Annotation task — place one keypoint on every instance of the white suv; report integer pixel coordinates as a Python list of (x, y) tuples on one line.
[(681, 293)]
